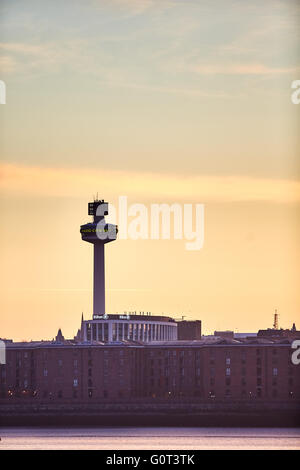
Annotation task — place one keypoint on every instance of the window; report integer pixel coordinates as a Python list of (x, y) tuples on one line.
[(228, 371), (75, 383), (228, 361), (275, 371)]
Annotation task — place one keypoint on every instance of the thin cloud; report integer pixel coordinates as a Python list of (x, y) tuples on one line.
[(22, 48), (137, 7), (174, 90), (7, 64), (80, 182), (242, 69), (21, 57)]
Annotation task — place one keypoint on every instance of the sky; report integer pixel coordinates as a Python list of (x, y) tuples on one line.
[(165, 101)]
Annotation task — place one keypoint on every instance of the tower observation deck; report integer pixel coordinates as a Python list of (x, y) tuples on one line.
[(98, 233)]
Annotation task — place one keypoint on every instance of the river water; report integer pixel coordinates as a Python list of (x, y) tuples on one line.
[(155, 438)]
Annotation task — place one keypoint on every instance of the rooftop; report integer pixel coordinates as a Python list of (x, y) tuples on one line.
[(161, 344)]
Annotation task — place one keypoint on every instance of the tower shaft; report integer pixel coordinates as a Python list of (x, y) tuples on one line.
[(99, 280)]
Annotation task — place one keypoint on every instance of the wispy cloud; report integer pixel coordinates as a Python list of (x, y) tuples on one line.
[(243, 69), (7, 64), (22, 57), (137, 7), (73, 289), (22, 48), (78, 182), (198, 93)]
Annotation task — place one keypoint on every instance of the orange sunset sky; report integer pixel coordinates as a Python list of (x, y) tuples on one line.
[(165, 102)]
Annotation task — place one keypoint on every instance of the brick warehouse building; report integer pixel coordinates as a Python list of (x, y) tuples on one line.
[(193, 371)]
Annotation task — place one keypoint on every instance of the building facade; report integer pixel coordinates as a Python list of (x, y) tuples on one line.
[(189, 330), (129, 327), (197, 371)]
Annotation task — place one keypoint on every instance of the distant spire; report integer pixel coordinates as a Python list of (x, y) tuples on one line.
[(59, 337)]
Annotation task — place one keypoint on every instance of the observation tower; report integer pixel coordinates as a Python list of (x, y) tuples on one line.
[(98, 233)]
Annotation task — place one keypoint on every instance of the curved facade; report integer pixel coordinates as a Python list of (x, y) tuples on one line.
[(141, 328)]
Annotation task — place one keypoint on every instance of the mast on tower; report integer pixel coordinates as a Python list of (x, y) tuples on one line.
[(276, 322)]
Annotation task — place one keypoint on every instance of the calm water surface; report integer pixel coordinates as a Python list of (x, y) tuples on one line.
[(149, 438)]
